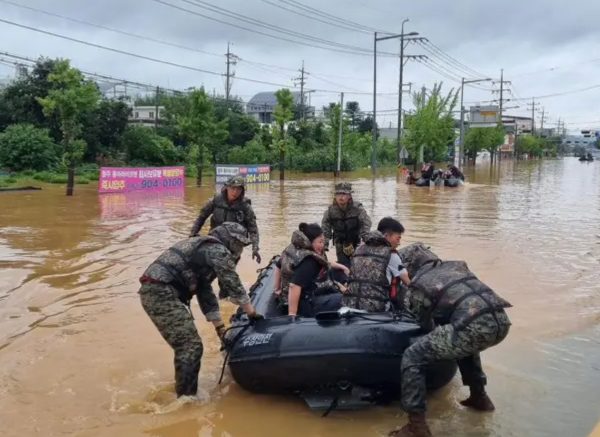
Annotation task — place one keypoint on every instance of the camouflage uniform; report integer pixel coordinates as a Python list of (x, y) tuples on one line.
[(469, 318), (345, 226), (239, 211), (186, 269), (299, 249), (369, 287)]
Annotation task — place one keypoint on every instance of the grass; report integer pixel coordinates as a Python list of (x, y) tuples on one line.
[(30, 177), (83, 176)]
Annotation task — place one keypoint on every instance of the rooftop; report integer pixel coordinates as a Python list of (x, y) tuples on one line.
[(268, 98)]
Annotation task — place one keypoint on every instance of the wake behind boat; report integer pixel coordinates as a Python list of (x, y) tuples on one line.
[(346, 359)]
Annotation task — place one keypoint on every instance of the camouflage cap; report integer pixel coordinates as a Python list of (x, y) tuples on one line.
[(236, 181), (343, 188), (232, 231)]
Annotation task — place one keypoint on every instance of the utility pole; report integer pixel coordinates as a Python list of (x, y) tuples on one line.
[(421, 148), (156, 108), (458, 160), (231, 60), (339, 151), (375, 41), (300, 80), (533, 106), (542, 121), (404, 41)]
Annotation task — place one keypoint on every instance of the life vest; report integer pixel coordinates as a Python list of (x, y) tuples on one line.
[(369, 288), (345, 224), (457, 295), (291, 257), (236, 212), (178, 259)]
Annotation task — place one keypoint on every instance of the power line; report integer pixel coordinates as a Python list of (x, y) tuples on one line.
[(548, 96), (163, 42), (315, 18), (336, 47)]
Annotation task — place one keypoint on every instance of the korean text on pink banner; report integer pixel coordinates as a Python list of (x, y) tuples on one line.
[(125, 179)]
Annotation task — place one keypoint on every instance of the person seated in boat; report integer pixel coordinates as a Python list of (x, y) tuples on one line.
[(411, 179), (454, 171), (376, 269), (302, 272), (427, 171)]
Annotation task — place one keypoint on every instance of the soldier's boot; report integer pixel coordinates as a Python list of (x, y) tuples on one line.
[(478, 400), (416, 427)]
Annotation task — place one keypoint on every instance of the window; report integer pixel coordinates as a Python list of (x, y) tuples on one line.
[(151, 114), (137, 115)]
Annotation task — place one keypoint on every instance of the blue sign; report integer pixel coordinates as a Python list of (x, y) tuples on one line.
[(255, 173)]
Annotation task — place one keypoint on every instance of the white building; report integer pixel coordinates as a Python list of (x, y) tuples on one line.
[(145, 115)]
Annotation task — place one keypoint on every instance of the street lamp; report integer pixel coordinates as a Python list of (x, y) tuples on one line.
[(375, 41), (461, 157)]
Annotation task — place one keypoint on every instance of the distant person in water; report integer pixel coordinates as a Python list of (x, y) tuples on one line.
[(230, 205), (455, 172)]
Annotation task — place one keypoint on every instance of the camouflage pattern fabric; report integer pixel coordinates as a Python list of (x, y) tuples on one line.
[(445, 292), (446, 343), (191, 265), (291, 257), (369, 288), (343, 188), (176, 325), (465, 316), (220, 211), (236, 181), (345, 226)]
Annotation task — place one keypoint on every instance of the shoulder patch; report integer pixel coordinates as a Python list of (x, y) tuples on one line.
[(231, 263)]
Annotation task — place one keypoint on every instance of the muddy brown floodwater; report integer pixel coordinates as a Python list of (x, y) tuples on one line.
[(79, 357)]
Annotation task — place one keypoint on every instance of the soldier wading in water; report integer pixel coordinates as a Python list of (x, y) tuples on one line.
[(231, 205), (465, 317), (346, 222), (187, 269)]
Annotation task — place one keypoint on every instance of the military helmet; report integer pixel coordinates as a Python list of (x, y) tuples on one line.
[(343, 188), (236, 181), (231, 230)]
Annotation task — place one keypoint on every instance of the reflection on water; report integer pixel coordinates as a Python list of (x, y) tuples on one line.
[(79, 357)]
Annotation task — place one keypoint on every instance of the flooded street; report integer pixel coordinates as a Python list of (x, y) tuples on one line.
[(79, 357)]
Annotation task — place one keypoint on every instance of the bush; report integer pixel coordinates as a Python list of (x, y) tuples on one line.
[(26, 147), (145, 147)]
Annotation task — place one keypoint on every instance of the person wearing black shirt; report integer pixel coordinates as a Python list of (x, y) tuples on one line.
[(301, 280)]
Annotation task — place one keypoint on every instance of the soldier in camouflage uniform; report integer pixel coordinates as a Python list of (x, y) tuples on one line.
[(322, 294), (231, 205), (466, 316), (185, 270), (376, 268), (345, 222)]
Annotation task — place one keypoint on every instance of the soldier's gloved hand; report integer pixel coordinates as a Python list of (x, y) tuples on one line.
[(220, 330), (256, 256), (254, 317)]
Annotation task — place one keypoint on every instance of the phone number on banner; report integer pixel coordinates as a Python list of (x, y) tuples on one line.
[(258, 177), (155, 183)]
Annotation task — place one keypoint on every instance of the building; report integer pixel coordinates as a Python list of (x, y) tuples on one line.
[(523, 124), (145, 115), (262, 105)]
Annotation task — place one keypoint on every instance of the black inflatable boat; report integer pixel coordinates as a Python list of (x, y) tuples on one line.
[(346, 359)]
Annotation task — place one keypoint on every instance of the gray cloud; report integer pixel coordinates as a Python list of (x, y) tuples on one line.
[(521, 37)]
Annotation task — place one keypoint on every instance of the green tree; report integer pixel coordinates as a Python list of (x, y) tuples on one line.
[(431, 126), (103, 129), (26, 147), (484, 138), (19, 104), (283, 113), (199, 125), (143, 146), (354, 114), (70, 96)]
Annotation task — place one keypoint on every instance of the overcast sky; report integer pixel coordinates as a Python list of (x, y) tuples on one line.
[(545, 47)]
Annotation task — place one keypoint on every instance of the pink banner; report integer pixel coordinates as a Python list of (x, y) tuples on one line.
[(148, 179)]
